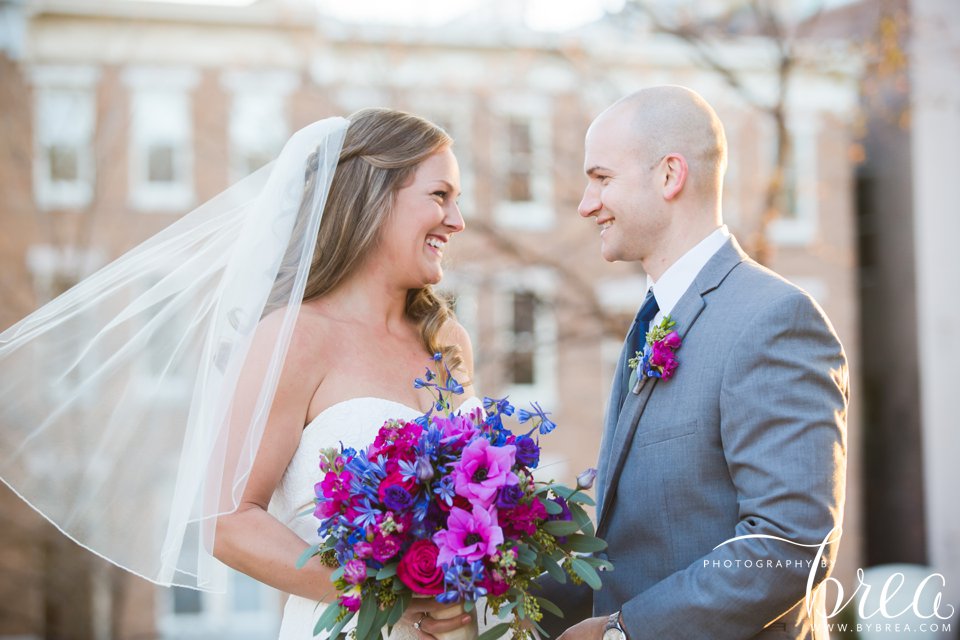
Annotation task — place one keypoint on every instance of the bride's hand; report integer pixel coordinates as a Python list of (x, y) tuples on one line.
[(420, 615)]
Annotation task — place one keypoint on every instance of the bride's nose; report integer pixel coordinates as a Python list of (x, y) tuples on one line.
[(454, 219)]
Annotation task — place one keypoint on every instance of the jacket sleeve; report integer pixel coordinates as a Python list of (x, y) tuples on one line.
[(783, 404)]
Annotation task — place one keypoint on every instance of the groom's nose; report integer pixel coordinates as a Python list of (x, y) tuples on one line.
[(590, 203)]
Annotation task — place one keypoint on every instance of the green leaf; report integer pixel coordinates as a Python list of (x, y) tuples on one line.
[(582, 498), (546, 605), (388, 571), (336, 575), (561, 527), (583, 543), (327, 618), (497, 631), (581, 518), (562, 491), (553, 569), (597, 563), (469, 606), (553, 508), (526, 555), (306, 512), (306, 555), (337, 628), (587, 573), (368, 611), (379, 622), (403, 601)]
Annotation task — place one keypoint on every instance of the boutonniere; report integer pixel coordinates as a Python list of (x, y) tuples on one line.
[(659, 356)]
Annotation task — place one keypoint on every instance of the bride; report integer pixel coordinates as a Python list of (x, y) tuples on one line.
[(290, 313), (367, 326)]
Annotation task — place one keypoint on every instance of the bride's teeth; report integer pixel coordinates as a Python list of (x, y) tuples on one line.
[(436, 244)]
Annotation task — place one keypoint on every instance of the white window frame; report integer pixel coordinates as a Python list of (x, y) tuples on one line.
[(152, 83), (542, 282), (246, 85), (801, 229), (454, 111), (217, 619), (538, 213), (77, 83)]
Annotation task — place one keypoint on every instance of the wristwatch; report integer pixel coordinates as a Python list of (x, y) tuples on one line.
[(613, 630)]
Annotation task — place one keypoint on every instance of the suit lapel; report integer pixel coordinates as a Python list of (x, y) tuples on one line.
[(685, 313)]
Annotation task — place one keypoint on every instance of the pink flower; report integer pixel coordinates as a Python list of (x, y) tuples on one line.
[(672, 340), (523, 519), (385, 547), (363, 550), (334, 491), (482, 470), (461, 428), (662, 357), (350, 599), (495, 583), (468, 535), (418, 569), (355, 571)]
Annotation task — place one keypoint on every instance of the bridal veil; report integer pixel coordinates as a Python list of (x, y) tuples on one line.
[(116, 414)]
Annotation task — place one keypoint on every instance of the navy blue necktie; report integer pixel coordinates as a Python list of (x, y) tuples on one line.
[(637, 338)]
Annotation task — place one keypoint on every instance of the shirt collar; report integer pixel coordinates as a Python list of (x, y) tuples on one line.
[(677, 279)]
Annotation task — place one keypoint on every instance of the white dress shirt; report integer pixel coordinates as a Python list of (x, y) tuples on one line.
[(677, 279)]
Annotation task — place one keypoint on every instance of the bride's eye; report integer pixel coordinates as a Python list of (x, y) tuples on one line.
[(440, 194)]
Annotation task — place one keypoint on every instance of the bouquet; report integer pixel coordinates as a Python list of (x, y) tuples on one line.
[(447, 507)]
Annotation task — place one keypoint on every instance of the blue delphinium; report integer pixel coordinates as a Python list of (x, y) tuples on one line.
[(539, 418), (462, 581)]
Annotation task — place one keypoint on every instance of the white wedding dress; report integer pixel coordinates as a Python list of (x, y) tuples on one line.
[(355, 423)]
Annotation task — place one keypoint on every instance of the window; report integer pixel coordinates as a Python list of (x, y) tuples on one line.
[(528, 329), (521, 362), (523, 152), (259, 125), (161, 139), (799, 195), (65, 121), (249, 610), (453, 114)]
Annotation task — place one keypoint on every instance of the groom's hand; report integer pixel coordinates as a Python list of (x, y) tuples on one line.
[(589, 629)]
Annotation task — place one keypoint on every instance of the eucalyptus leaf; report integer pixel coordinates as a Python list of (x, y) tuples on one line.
[(581, 518), (584, 543), (546, 605), (561, 527), (587, 573), (387, 571), (582, 498), (337, 628), (553, 569), (337, 574), (306, 555), (368, 611), (327, 619), (495, 632), (553, 508)]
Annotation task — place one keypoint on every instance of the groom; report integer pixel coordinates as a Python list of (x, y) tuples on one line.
[(712, 478)]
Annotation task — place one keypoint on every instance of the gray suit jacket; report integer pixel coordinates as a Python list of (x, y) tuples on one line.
[(748, 437)]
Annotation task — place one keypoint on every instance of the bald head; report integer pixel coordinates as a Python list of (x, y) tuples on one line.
[(672, 119)]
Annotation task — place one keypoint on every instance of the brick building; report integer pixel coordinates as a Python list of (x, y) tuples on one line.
[(121, 116)]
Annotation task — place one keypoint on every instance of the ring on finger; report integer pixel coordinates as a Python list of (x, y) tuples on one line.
[(416, 625)]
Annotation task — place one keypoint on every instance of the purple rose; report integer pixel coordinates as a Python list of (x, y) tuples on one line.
[(508, 497), (585, 479), (355, 571), (397, 499), (528, 452)]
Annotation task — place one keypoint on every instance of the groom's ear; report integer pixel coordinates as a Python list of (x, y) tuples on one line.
[(674, 175)]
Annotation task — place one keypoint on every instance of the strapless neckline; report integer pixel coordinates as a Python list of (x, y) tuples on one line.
[(344, 403)]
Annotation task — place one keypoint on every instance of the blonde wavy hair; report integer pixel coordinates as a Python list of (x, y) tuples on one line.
[(380, 153)]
